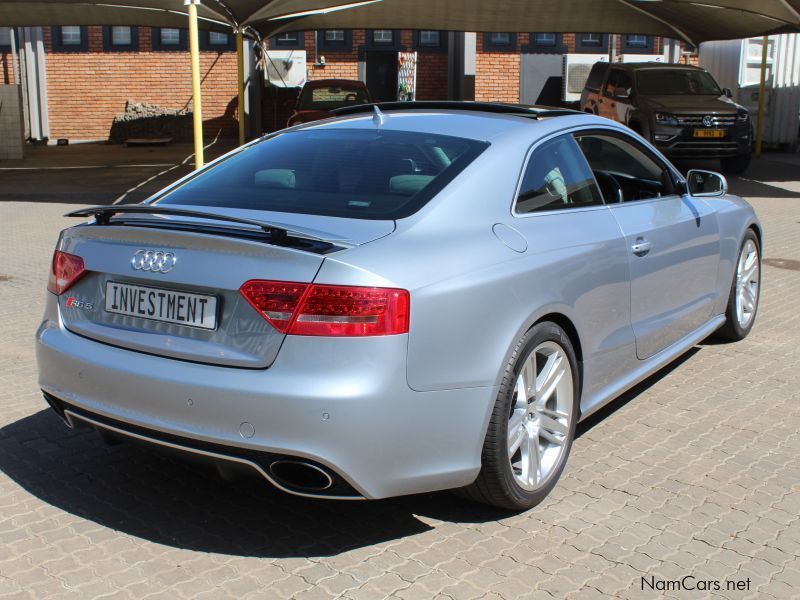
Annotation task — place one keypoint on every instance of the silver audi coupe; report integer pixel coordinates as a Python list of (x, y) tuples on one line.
[(404, 298)]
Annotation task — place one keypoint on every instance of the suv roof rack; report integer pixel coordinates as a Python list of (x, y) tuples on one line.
[(521, 110)]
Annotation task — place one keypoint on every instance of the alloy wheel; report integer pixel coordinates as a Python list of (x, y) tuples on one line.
[(541, 415), (748, 279)]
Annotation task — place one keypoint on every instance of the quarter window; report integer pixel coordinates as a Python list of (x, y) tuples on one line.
[(557, 177), (618, 80), (624, 171)]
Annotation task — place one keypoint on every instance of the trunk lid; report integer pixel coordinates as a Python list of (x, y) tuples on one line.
[(209, 267)]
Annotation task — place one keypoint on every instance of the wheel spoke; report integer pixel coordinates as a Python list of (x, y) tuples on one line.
[(750, 261), (556, 414), (532, 464), (551, 429), (749, 297), (549, 378), (747, 276), (516, 431)]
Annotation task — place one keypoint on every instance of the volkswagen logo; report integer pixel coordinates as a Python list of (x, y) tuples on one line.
[(156, 261), (708, 121)]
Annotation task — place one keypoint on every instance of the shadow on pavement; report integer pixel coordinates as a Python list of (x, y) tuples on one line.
[(147, 494), (143, 493), (586, 425)]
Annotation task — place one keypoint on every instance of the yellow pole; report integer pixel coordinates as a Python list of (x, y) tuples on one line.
[(762, 90), (194, 50), (240, 75)]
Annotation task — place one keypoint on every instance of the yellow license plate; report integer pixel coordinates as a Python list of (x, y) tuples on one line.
[(709, 133)]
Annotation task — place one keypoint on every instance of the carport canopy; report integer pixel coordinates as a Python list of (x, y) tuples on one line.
[(692, 22)]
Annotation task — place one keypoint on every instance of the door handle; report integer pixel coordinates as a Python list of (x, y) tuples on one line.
[(641, 247)]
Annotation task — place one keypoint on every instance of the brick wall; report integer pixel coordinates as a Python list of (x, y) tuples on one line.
[(6, 68), (497, 71), (338, 65), (87, 89)]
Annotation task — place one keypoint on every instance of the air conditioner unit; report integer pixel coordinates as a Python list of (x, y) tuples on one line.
[(636, 58), (286, 68), (576, 72)]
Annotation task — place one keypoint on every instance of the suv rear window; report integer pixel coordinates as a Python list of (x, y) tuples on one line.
[(330, 97), (355, 173)]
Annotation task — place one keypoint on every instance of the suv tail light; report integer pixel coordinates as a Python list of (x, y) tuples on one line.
[(329, 310), (65, 270)]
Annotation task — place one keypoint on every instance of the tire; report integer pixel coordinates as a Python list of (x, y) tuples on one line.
[(736, 165), (738, 319), (518, 487)]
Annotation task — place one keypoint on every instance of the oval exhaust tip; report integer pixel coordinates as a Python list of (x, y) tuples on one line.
[(300, 475)]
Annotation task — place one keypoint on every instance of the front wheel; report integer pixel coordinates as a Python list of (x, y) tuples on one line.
[(740, 314), (533, 422)]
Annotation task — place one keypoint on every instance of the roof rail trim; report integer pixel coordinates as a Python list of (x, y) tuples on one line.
[(534, 112)]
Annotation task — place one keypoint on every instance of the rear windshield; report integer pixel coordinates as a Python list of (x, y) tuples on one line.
[(666, 82), (355, 173), (330, 97)]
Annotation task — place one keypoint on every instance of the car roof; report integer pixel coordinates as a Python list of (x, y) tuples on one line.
[(472, 120), (654, 65)]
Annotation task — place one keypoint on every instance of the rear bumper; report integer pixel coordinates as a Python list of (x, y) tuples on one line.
[(341, 403)]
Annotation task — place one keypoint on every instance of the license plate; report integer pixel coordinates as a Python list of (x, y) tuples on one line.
[(169, 306), (709, 133)]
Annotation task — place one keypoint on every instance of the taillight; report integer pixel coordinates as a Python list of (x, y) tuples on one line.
[(329, 310), (276, 301), (65, 270)]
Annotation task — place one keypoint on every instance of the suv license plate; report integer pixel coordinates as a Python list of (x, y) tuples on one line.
[(709, 133), (169, 306)]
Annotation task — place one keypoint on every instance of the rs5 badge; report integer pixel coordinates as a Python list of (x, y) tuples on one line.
[(73, 302)]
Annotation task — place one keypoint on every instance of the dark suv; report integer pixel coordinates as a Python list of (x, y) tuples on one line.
[(679, 108)]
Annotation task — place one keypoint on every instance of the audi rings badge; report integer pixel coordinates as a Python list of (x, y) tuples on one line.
[(155, 261)]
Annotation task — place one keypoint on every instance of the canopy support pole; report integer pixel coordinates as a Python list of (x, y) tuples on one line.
[(240, 79), (762, 90), (197, 112)]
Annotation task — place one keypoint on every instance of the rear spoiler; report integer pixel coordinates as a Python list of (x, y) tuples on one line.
[(103, 215)]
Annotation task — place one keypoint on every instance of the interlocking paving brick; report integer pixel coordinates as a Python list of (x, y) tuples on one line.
[(695, 472)]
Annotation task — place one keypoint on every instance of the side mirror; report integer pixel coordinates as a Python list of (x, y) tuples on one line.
[(727, 92), (706, 183), (622, 94)]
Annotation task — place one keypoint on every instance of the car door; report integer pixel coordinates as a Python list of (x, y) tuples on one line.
[(576, 257), (673, 240)]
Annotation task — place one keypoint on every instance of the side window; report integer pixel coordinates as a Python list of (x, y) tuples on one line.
[(612, 82), (624, 170), (557, 176)]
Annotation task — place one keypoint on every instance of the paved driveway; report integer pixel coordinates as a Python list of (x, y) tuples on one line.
[(695, 473)]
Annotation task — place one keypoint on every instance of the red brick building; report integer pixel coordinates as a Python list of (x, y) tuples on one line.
[(91, 72)]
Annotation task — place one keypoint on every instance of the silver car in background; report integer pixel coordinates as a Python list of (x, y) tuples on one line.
[(404, 298)]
